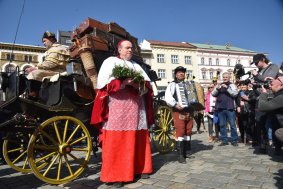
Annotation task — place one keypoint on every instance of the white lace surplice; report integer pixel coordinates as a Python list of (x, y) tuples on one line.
[(126, 112)]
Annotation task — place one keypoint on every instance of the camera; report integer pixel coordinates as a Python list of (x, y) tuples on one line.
[(265, 84)]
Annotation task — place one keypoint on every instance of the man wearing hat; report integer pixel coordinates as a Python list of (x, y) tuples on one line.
[(265, 69), (55, 60), (183, 117)]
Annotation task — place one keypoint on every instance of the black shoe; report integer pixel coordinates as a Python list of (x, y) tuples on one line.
[(118, 184), (254, 144), (223, 144), (262, 150), (278, 152), (182, 159), (144, 176), (234, 144)]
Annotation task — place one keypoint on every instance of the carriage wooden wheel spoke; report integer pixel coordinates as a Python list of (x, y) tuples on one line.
[(164, 132), (63, 145), (15, 151)]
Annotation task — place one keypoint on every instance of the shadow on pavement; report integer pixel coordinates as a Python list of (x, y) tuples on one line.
[(159, 160), (278, 176)]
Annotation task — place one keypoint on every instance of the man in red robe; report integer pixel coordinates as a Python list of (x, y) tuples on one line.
[(123, 111)]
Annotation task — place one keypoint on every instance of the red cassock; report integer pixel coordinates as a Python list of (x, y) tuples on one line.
[(122, 116)]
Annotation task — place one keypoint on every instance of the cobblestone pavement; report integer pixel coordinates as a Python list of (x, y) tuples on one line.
[(209, 166)]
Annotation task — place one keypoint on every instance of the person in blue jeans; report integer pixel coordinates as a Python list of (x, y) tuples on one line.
[(225, 94)]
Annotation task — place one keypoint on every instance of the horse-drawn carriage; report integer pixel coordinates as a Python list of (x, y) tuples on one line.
[(51, 137)]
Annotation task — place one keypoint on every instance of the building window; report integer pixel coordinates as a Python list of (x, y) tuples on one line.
[(9, 57), (209, 61), (203, 73), (161, 73), (228, 62), (202, 61), (211, 75), (28, 58), (160, 58), (174, 59), (189, 74), (217, 62), (188, 60)]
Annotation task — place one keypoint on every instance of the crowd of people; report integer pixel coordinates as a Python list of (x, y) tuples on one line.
[(252, 106)]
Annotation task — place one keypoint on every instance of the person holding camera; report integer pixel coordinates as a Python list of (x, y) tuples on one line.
[(265, 70), (225, 94), (274, 106)]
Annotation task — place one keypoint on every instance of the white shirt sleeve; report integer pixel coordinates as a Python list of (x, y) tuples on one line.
[(232, 90), (105, 73), (169, 99)]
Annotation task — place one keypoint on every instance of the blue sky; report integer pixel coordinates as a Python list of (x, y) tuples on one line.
[(250, 24)]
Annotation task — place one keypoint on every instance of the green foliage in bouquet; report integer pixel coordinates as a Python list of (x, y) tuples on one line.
[(121, 72)]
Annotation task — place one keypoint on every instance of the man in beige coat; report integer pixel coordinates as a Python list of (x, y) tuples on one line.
[(57, 56), (55, 60)]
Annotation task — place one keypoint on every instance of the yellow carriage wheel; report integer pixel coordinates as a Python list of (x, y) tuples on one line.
[(163, 135), (66, 143), (15, 151)]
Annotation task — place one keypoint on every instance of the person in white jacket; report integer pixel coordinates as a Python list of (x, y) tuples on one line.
[(183, 117)]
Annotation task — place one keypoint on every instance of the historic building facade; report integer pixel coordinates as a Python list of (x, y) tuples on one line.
[(21, 56), (164, 57), (202, 61), (220, 58)]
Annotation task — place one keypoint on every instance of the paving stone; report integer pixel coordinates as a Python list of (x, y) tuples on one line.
[(133, 185), (163, 184), (260, 169), (233, 186), (147, 187), (246, 177), (149, 181), (180, 186), (241, 167), (180, 179), (222, 179), (168, 172), (248, 183), (181, 174)]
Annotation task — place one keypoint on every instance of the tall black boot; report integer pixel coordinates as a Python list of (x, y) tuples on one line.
[(181, 159), (188, 144), (187, 147)]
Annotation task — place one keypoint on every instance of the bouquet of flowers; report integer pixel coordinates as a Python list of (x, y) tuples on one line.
[(121, 72)]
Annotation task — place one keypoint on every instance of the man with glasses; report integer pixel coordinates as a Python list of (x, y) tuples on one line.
[(274, 106), (265, 69)]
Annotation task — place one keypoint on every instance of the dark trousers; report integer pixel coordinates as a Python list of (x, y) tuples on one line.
[(244, 127), (261, 134)]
